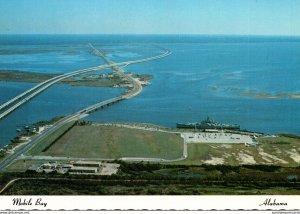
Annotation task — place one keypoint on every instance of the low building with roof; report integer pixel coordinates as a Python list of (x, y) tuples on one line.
[(84, 170), (87, 164)]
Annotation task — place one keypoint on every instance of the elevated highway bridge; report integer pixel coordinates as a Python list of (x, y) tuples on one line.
[(31, 93), (11, 105)]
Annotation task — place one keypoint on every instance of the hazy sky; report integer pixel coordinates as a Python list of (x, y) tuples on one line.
[(259, 17)]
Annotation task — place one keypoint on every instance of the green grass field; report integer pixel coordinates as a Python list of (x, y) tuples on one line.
[(97, 141), (111, 142), (47, 141), (21, 165)]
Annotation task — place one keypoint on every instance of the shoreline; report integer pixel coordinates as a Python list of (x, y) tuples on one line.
[(261, 153)]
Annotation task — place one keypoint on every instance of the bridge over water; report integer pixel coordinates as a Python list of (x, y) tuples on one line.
[(19, 100), (14, 103)]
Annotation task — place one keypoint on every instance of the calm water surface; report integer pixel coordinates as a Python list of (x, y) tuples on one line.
[(205, 76)]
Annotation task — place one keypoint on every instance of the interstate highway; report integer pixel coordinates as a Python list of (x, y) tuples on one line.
[(24, 97), (137, 88)]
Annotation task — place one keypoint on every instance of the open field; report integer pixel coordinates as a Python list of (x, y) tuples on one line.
[(22, 165), (284, 151), (115, 141), (47, 141), (97, 141)]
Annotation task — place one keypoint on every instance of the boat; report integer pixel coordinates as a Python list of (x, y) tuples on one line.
[(208, 123)]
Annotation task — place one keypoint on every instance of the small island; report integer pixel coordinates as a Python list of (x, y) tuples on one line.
[(91, 80)]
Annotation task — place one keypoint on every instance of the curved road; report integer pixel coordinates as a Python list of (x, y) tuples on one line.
[(84, 112), (24, 97)]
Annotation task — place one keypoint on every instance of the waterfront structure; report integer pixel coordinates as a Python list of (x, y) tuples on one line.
[(208, 123)]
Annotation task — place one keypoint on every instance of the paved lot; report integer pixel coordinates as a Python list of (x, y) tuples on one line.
[(220, 137)]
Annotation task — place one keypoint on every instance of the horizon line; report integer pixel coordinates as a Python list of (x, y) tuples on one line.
[(152, 34)]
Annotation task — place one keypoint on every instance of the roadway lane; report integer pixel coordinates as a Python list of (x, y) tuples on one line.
[(31, 93), (84, 112), (137, 87)]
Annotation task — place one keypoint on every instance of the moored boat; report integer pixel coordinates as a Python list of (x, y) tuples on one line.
[(208, 123)]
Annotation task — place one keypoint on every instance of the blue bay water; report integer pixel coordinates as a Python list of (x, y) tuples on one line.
[(207, 79), (204, 76), (58, 100)]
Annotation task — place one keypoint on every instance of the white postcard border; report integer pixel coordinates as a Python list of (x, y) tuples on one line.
[(151, 203)]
